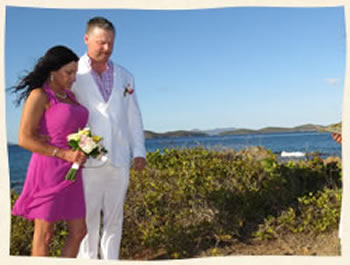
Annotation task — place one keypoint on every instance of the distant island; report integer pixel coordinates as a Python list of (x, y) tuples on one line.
[(181, 133), (301, 128), (238, 131), (232, 131)]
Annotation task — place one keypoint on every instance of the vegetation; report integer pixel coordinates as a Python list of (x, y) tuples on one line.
[(333, 128), (193, 202)]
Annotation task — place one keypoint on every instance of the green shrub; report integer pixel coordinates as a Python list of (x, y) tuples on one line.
[(189, 200), (315, 213), (21, 233)]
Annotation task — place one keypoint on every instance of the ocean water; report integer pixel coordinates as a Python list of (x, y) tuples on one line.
[(294, 145)]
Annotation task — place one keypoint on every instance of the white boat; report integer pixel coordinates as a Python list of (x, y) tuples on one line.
[(292, 154)]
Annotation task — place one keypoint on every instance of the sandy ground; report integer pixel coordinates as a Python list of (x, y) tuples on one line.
[(326, 244)]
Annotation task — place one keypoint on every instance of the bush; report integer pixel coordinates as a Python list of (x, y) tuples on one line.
[(21, 233), (315, 213), (191, 200)]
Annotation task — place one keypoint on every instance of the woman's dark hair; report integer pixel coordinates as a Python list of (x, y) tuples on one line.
[(54, 59)]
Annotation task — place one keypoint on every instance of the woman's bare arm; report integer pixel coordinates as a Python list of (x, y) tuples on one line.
[(28, 135)]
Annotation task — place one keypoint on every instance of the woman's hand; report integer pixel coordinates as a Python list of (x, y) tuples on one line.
[(72, 156)]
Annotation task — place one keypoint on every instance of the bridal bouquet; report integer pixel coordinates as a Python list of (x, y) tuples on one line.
[(87, 143)]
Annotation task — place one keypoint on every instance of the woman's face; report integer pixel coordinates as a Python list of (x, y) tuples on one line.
[(65, 76)]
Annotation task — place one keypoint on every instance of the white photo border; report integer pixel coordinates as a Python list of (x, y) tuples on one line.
[(5, 258)]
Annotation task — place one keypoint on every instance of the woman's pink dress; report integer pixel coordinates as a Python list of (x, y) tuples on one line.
[(46, 194)]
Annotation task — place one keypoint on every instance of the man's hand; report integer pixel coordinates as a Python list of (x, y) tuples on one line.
[(337, 137), (139, 163)]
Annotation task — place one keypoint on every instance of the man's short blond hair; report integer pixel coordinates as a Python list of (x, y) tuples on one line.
[(99, 22)]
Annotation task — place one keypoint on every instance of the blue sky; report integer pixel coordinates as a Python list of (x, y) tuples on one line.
[(238, 67)]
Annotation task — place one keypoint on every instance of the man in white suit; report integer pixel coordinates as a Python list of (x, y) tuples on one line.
[(107, 90)]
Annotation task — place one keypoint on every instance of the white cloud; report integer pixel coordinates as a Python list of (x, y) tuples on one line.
[(163, 89), (333, 81)]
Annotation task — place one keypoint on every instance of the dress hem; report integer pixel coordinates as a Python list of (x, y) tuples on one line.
[(31, 218)]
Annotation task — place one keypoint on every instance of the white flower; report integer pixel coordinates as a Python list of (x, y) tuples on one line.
[(74, 137), (88, 145)]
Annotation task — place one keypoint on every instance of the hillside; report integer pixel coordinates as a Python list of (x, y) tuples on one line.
[(301, 128), (232, 131), (180, 133)]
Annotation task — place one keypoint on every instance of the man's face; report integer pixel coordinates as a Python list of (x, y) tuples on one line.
[(99, 44)]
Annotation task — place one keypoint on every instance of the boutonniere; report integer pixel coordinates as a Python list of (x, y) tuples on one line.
[(128, 90)]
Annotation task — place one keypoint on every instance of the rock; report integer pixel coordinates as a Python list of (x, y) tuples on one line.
[(256, 152), (332, 159)]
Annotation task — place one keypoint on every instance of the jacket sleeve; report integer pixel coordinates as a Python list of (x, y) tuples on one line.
[(135, 124)]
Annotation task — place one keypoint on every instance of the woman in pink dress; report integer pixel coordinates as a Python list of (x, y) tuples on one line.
[(50, 113)]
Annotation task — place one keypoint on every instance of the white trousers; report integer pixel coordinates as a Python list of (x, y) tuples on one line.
[(105, 189)]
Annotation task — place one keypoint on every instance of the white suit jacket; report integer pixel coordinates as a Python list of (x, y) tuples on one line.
[(118, 120)]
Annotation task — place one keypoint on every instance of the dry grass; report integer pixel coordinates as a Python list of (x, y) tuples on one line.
[(326, 244)]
